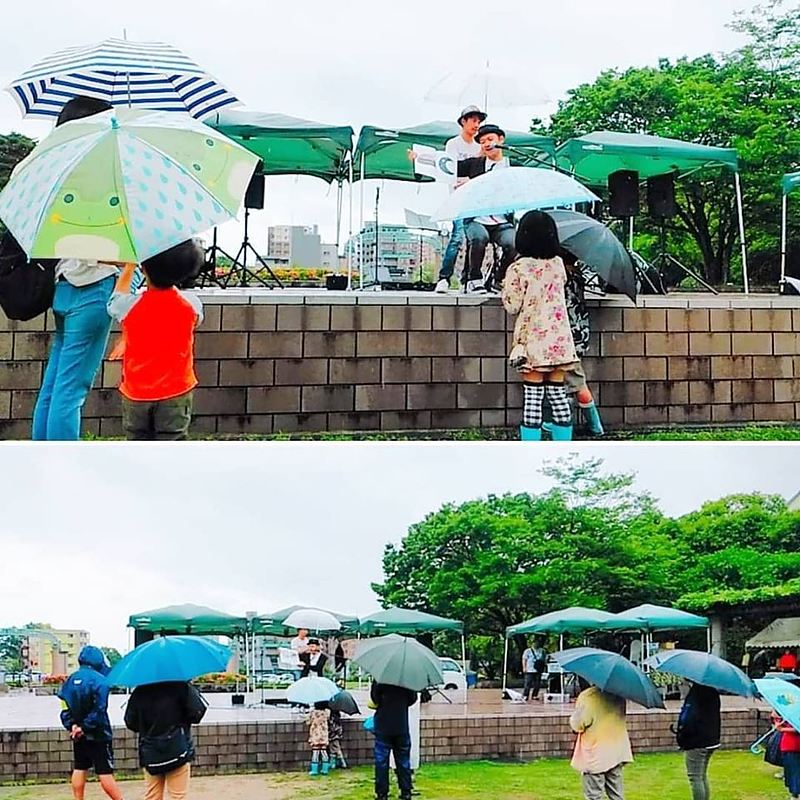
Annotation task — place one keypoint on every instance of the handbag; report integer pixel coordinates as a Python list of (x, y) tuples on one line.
[(772, 749), (165, 752)]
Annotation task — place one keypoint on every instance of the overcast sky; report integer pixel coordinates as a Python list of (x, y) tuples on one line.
[(92, 534), (370, 62)]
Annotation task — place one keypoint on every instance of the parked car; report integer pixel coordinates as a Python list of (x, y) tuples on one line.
[(454, 677)]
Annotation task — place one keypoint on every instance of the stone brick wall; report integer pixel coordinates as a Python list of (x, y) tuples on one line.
[(274, 361), (281, 746)]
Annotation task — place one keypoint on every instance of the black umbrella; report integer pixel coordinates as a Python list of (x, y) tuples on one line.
[(344, 702), (593, 243)]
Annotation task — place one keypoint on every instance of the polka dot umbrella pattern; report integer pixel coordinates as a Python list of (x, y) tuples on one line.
[(124, 185)]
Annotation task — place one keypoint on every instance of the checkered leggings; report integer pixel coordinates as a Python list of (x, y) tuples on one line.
[(532, 415)]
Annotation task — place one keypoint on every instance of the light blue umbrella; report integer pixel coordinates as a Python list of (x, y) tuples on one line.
[(170, 658), (611, 673), (312, 689), (503, 191), (134, 74), (704, 668), (783, 696)]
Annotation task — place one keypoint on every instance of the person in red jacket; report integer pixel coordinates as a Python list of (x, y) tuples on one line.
[(790, 751), (158, 376)]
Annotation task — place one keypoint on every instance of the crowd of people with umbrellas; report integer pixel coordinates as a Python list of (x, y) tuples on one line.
[(164, 705)]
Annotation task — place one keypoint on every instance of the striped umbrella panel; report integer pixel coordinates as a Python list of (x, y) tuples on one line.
[(138, 75)]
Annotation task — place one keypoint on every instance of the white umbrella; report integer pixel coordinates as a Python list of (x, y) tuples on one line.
[(313, 619), (495, 89), (503, 191)]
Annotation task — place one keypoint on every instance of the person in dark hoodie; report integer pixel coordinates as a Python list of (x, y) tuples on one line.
[(698, 735), (162, 714), (392, 736), (84, 698)]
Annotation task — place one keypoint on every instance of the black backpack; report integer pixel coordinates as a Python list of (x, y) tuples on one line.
[(26, 287)]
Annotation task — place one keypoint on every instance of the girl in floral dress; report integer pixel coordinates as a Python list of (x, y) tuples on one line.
[(543, 350)]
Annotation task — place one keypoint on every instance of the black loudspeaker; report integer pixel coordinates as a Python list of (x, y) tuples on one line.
[(661, 197), (254, 196), (140, 637), (623, 193)]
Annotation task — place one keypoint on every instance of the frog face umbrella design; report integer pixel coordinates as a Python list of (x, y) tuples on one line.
[(124, 185)]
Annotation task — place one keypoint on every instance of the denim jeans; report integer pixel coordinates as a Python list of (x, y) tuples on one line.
[(697, 772), (401, 747), (82, 328), (451, 251)]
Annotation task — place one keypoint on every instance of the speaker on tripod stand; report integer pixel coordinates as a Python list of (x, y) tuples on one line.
[(253, 200), (662, 205)]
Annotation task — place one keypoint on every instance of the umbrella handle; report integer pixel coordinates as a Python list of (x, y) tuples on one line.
[(756, 747)]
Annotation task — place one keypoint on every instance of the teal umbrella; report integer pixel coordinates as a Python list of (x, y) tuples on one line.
[(704, 668), (170, 658), (611, 673), (400, 661)]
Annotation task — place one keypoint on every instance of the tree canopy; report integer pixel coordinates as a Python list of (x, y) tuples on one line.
[(590, 540), (749, 100)]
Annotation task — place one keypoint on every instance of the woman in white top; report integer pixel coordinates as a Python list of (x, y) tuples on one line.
[(82, 327)]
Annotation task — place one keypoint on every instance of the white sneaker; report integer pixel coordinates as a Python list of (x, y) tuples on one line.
[(443, 286), (475, 287)]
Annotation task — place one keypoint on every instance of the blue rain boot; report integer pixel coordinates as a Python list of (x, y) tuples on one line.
[(560, 433), (314, 769), (530, 434), (593, 419), (326, 767), (331, 762)]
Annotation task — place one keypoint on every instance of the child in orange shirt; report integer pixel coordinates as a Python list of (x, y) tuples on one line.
[(158, 376)]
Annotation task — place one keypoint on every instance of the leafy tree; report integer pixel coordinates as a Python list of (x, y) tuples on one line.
[(13, 148), (492, 563), (747, 99), (11, 651)]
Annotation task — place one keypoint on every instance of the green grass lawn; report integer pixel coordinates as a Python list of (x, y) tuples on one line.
[(749, 433), (733, 776)]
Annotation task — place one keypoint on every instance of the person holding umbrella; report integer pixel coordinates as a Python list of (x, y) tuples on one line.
[(82, 326), (602, 747), (698, 735), (162, 715), (392, 737)]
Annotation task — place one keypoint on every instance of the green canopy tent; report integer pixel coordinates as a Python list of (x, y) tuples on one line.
[(382, 153), (292, 146), (592, 158), (408, 622), (575, 619), (188, 619), (646, 619), (789, 183)]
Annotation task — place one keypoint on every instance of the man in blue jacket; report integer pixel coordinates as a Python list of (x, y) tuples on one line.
[(84, 700)]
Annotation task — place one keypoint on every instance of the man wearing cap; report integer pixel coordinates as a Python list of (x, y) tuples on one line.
[(459, 148), (498, 229)]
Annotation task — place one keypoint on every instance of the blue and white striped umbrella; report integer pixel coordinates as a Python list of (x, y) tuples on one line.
[(148, 75)]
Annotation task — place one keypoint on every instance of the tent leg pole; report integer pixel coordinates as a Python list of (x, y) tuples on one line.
[(505, 666), (464, 665), (339, 198), (350, 226), (740, 207), (361, 230), (708, 638), (784, 236), (630, 235)]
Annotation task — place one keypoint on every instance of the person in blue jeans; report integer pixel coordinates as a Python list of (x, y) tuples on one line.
[(392, 737), (82, 327)]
